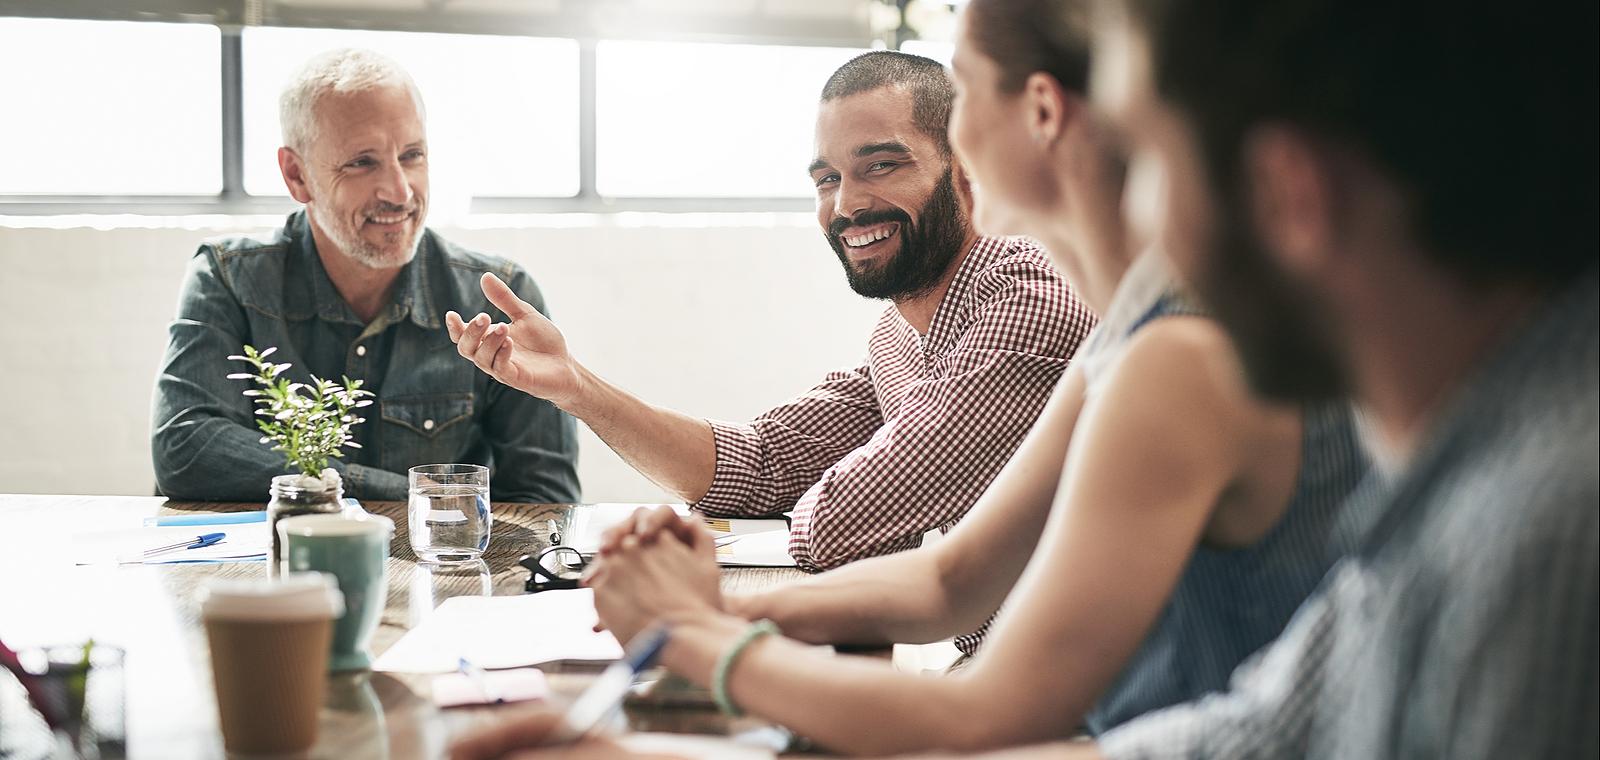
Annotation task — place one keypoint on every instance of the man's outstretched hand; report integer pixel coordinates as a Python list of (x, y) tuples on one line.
[(528, 353)]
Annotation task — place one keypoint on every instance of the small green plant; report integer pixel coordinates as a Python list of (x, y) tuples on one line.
[(308, 423)]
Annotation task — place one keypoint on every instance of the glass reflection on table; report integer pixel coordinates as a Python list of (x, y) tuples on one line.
[(432, 584)]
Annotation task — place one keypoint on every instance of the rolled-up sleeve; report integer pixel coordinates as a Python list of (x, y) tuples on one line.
[(863, 483), (953, 432), (763, 467)]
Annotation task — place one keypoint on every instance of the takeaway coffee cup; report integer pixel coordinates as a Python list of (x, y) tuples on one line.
[(269, 656)]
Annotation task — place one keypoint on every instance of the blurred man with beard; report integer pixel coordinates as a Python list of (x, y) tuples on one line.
[(352, 285), (957, 368), (1396, 202)]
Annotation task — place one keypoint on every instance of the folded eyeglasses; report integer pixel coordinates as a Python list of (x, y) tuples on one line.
[(556, 567)]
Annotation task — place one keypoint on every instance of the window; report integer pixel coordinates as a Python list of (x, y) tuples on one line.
[(707, 120), (127, 116), (110, 108), (502, 111), (938, 51)]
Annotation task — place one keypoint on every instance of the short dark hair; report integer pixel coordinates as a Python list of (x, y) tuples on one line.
[(1025, 36), (1483, 113), (931, 91)]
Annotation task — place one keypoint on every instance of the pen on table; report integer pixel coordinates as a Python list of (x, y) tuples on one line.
[(604, 696), (552, 532), (477, 675), (721, 541), (205, 539)]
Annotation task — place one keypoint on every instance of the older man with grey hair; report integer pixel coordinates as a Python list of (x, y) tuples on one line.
[(352, 285)]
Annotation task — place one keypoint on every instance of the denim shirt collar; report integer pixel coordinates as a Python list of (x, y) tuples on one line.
[(412, 295)]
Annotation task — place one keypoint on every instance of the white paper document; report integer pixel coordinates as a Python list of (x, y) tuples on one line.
[(769, 548), (503, 632), (589, 521), (759, 542), (240, 543)]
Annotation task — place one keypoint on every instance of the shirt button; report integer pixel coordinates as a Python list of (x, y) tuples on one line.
[(427, 424), (361, 350)]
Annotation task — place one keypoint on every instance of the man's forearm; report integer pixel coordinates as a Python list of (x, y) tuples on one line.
[(672, 449), (851, 705), (364, 482), (899, 598), (213, 458), (220, 459)]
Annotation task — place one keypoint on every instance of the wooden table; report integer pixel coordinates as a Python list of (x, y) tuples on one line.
[(153, 613)]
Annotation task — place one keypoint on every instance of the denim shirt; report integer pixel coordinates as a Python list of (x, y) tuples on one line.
[(432, 406)]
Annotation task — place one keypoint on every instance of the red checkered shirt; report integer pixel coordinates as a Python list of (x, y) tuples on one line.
[(877, 455)]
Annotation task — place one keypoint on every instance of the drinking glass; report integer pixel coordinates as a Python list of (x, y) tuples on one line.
[(448, 515), (82, 686)]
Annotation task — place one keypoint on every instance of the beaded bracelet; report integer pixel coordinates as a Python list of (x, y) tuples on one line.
[(719, 674)]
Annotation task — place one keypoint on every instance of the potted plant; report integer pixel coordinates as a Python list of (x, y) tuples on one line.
[(310, 423)]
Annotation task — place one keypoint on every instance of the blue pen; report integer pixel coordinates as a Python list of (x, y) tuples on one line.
[(479, 680), (604, 696), (206, 539)]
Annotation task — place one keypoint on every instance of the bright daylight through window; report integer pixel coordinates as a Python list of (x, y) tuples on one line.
[(704, 120), (110, 108), (502, 111)]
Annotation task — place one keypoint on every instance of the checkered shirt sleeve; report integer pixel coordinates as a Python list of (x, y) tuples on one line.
[(861, 486), (764, 466)]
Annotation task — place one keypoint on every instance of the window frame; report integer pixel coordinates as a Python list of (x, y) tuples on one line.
[(233, 200)]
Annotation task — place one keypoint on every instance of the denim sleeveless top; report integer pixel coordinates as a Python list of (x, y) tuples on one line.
[(1230, 602)]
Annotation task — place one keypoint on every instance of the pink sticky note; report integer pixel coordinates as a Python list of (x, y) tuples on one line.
[(516, 685)]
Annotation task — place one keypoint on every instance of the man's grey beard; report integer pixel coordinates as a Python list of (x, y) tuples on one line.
[(356, 247)]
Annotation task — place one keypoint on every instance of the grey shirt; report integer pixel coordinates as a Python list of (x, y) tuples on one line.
[(1465, 625), (432, 405)]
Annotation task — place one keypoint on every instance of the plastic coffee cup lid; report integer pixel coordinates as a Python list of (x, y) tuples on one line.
[(334, 525), (294, 597)]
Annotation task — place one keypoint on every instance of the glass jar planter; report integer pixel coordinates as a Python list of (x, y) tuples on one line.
[(297, 494)]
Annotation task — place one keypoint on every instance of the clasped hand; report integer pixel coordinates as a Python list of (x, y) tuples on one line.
[(653, 566)]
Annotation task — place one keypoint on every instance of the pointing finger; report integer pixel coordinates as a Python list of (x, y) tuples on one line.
[(504, 299)]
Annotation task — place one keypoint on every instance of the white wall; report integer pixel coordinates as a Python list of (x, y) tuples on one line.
[(716, 315)]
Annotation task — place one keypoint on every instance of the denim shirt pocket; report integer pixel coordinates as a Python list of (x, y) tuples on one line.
[(424, 429)]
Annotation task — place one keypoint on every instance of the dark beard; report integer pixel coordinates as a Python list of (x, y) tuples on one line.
[(926, 248), (1277, 324)]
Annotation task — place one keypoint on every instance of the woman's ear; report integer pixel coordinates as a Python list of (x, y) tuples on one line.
[(962, 183), (1049, 107)]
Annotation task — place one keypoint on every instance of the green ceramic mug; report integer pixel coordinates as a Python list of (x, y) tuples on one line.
[(353, 550)]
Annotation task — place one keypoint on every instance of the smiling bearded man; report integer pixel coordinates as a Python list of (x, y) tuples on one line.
[(957, 368), (926, 250)]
